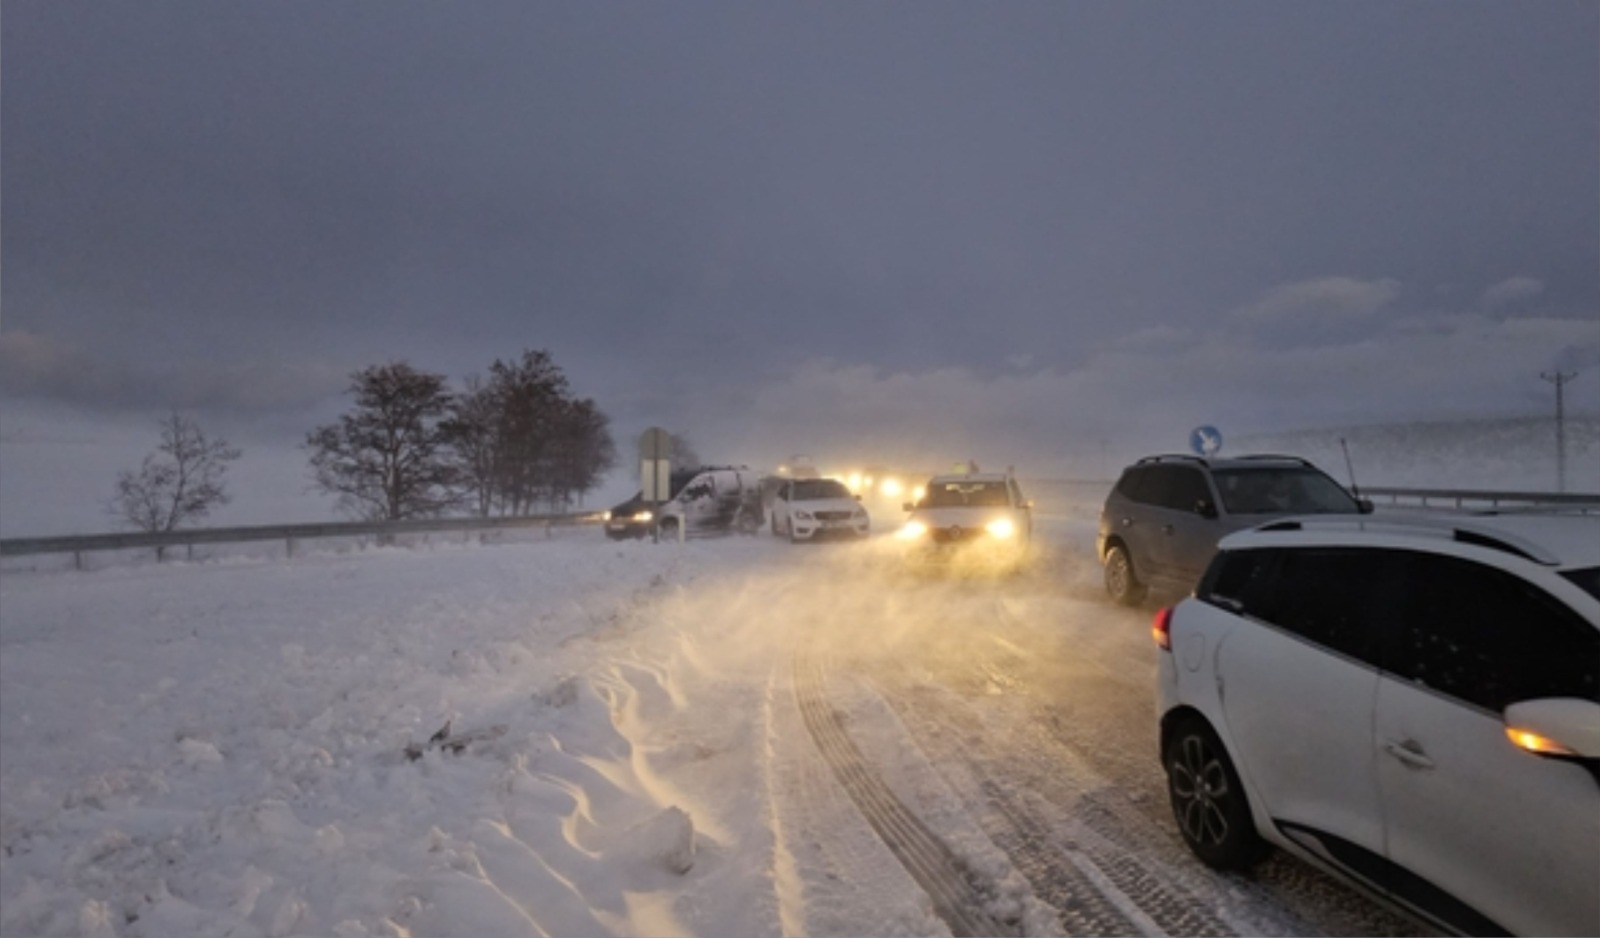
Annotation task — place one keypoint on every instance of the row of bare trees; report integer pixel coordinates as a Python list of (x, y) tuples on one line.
[(515, 443)]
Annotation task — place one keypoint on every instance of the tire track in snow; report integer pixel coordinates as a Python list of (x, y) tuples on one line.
[(930, 862), (1097, 888), (1094, 786), (1098, 885)]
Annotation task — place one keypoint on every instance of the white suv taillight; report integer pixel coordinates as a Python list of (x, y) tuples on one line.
[(1161, 628)]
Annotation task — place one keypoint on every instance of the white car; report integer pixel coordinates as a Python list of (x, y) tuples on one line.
[(1411, 703), (975, 519), (809, 509)]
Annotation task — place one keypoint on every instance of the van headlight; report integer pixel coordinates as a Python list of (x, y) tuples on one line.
[(642, 516), (1001, 527), (911, 531)]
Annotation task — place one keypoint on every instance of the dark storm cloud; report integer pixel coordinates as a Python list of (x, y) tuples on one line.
[(33, 366), (679, 200)]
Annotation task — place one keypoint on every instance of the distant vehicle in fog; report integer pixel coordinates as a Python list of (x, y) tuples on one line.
[(969, 519), (812, 509), (1162, 520)]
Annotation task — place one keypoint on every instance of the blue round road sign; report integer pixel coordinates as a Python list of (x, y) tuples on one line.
[(1205, 441)]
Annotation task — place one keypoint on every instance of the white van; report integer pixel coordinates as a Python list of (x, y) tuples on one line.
[(712, 499)]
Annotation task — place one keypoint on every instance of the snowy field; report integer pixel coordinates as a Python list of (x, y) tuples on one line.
[(221, 747)]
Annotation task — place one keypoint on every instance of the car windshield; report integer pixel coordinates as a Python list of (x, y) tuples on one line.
[(811, 489), (957, 494), (1281, 490)]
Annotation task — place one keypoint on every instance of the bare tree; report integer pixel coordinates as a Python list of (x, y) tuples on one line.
[(531, 393), (473, 430), (520, 440), (389, 459), (582, 449), (683, 454), (179, 483)]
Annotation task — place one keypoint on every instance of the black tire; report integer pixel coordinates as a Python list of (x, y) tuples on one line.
[(1121, 581), (1208, 800), (668, 528)]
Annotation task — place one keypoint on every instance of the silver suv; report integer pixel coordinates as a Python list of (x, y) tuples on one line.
[(1161, 522)]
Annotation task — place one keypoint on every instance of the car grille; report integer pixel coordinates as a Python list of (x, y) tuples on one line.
[(955, 534), (833, 515)]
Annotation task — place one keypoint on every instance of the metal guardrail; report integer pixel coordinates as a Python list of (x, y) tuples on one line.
[(1480, 498), (1433, 499), (289, 533)]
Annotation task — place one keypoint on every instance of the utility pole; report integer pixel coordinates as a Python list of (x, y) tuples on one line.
[(1559, 379)]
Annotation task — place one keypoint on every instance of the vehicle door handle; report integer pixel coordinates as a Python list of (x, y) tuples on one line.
[(1409, 752), (1127, 522)]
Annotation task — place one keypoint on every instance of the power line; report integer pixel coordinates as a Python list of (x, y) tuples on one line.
[(1559, 379)]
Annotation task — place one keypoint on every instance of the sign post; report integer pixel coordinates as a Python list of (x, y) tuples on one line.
[(655, 474)]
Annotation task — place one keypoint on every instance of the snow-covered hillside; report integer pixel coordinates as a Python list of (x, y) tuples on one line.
[(1514, 454)]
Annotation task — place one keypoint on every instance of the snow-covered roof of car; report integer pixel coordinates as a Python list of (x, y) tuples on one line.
[(1549, 539)]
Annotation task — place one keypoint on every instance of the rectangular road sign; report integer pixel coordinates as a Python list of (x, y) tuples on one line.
[(655, 479)]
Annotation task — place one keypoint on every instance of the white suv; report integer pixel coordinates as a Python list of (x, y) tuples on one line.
[(1412, 703)]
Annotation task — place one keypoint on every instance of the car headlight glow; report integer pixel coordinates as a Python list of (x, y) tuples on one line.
[(911, 531), (891, 488), (1001, 527), (642, 516)]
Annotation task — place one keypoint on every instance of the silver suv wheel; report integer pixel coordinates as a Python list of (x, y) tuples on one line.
[(1121, 582)]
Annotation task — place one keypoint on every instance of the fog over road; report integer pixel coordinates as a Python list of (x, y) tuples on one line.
[(1027, 702)]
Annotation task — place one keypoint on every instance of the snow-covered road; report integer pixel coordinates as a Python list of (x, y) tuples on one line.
[(722, 737)]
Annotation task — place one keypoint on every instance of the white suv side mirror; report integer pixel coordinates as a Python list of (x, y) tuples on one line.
[(1567, 726)]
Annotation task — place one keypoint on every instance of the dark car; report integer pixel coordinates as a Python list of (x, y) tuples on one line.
[(1161, 523), (633, 518)]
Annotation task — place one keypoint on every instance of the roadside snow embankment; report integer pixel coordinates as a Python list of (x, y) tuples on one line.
[(221, 748)]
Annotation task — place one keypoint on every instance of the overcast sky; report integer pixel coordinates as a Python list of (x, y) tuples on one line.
[(871, 232)]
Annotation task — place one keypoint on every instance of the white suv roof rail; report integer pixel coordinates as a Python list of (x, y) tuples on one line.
[(1464, 532)]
